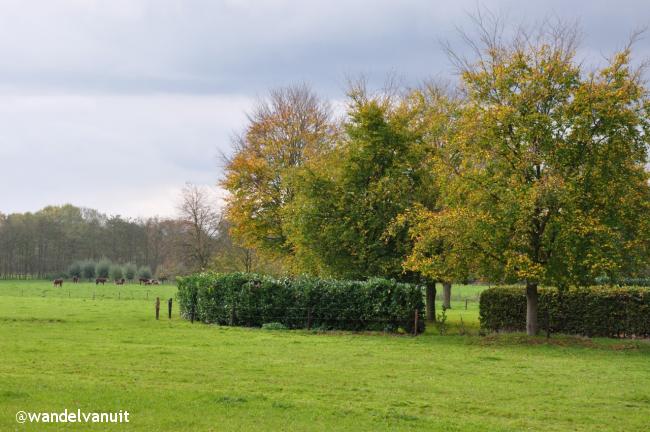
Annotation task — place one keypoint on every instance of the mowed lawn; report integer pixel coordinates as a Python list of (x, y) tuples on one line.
[(61, 350)]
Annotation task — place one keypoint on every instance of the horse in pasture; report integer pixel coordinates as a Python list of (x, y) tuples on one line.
[(75, 279), (100, 281), (58, 282), (143, 281), (119, 281)]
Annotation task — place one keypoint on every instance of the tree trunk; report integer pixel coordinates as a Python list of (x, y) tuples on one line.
[(431, 301), (531, 309), (446, 295)]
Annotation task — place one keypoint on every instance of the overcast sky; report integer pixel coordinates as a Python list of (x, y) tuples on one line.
[(115, 104)]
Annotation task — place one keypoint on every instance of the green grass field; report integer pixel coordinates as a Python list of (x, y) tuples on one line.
[(63, 350)]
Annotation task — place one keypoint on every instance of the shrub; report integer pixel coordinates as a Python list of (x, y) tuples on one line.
[(592, 311), (627, 281), (88, 268), (130, 271), (103, 268), (274, 326), (75, 269), (144, 272), (252, 300), (116, 272)]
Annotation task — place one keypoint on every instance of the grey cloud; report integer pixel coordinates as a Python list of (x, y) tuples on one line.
[(245, 47), (115, 104)]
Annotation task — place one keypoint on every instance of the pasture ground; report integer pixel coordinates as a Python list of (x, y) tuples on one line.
[(62, 349)]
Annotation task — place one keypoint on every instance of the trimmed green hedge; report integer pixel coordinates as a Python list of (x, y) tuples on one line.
[(252, 300), (640, 281), (591, 311)]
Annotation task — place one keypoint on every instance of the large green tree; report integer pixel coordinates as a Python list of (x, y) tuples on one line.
[(546, 169), (347, 200)]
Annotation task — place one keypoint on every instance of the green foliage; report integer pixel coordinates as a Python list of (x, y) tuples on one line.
[(441, 322), (347, 200), (75, 269), (130, 270), (545, 164), (591, 311), (536, 192), (252, 300), (103, 268), (274, 326), (88, 268), (144, 272), (116, 272), (625, 281)]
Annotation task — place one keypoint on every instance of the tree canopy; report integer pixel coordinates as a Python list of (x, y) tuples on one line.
[(546, 168), (346, 201), (289, 128)]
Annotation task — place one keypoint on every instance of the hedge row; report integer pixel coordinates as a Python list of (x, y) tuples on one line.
[(252, 300), (641, 281), (592, 311)]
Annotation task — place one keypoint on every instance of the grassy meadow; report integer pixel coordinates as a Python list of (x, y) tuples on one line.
[(60, 348)]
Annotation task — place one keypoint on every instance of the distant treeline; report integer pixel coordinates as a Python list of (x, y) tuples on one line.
[(47, 242), (51, 242)]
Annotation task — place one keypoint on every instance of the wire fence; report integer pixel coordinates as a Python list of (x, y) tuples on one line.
[(314, 317), (102, 294)]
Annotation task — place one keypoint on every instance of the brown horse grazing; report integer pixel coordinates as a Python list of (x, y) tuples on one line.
[(119, 281), (143, 281), (100, 281), (58, 282), (75, 279), (154, 282)]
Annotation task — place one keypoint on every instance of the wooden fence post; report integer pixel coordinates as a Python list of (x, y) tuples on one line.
[(465, 304), (157, 307), (169, 307), (415, 328), (308, 318), (232, 315)]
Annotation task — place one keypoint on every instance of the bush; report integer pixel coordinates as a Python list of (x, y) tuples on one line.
[(274, 326), (144, 272), (75, 269), (627, 281), (103, 268), (88, 269), (116, 272), (130, 271), (252, 300), (592, 311)]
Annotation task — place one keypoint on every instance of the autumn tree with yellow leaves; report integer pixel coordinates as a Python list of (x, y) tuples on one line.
[(544, 178), (286, 130)]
